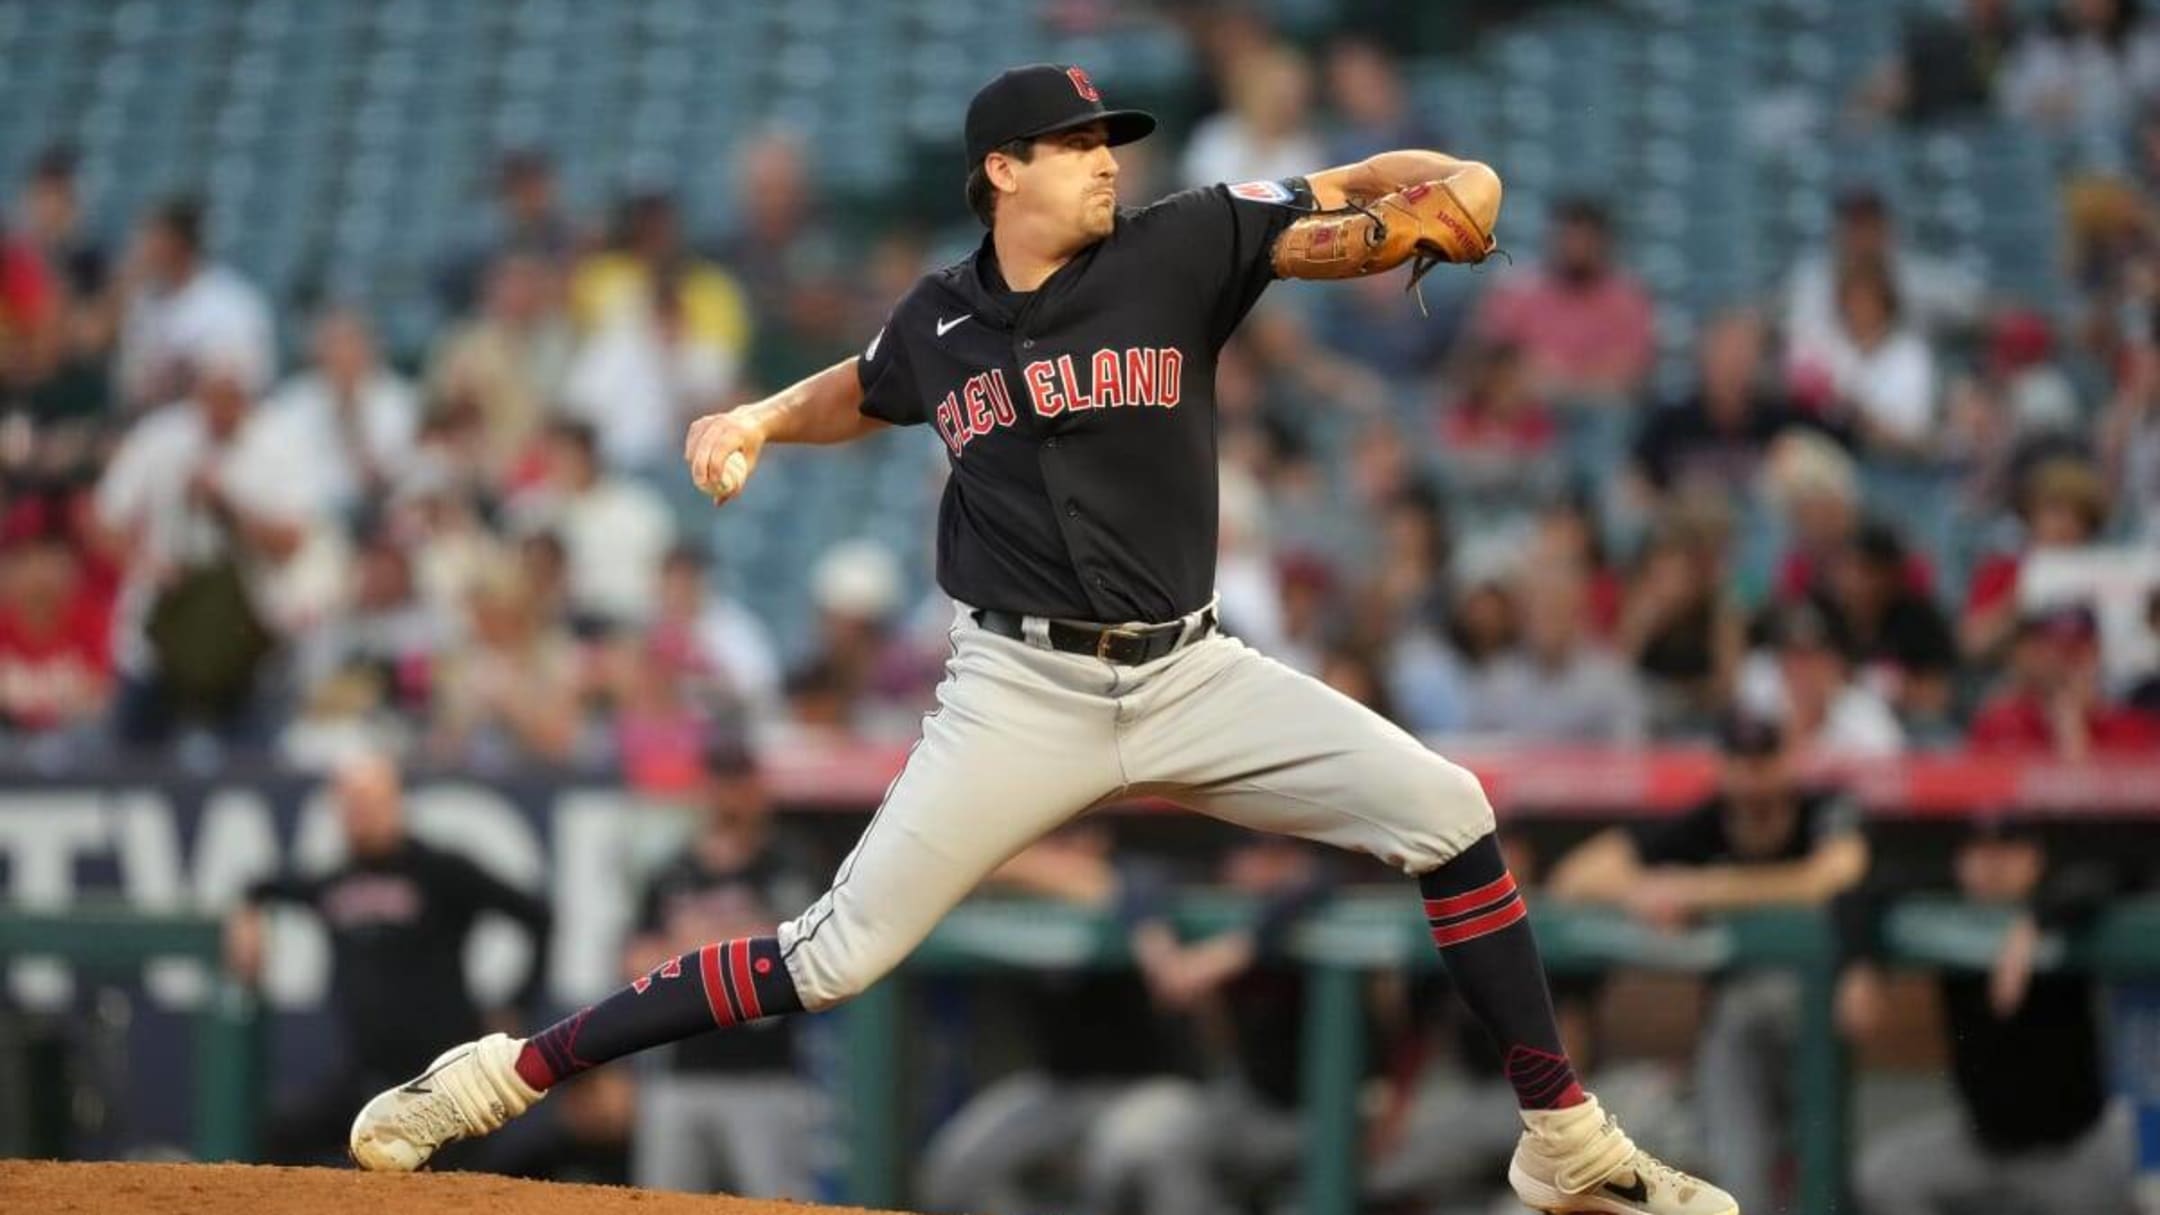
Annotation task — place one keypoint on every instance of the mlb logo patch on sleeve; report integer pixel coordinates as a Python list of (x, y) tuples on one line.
[(1262, 191)]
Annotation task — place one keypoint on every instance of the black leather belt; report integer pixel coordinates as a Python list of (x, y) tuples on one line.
[(1124, 645)]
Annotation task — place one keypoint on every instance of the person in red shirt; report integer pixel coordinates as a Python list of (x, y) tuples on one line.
[(1587, 327), (55, 631), (2052, 704)]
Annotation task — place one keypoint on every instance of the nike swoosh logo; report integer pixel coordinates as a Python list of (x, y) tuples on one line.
[(944, 326), (419, 1082), (1637, 1190)]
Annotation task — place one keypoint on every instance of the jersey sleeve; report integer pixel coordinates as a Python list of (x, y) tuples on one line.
[(1224, 236), (890, 393)]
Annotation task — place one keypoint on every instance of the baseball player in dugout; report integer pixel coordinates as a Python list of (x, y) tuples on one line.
[(1068, 365)]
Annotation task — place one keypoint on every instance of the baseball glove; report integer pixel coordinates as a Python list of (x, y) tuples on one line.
[(1450, 220)]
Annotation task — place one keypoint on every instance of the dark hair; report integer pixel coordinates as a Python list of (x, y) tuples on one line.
[(181, 216), (981, 196), (1582, 209), (56, 162), (578, 433)]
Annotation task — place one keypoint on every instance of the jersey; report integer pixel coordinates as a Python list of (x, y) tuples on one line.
[(1079, 418)]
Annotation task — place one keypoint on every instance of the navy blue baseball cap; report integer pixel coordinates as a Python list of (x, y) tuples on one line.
[(1042, 99)]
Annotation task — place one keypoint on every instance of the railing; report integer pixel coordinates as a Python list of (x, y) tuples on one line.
[(1339, 945)]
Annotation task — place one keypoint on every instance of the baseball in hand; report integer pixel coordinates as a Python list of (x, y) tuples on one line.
[(732, 472)]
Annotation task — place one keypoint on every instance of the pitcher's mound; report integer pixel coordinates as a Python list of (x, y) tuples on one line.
[(35, 1187)]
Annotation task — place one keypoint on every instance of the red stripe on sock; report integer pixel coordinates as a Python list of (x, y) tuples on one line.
[(715, 997), (1490, 922), (739, 959), (1459, 903)]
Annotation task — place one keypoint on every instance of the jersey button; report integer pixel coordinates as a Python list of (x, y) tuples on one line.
[(1052, 441), (1101, 581), (1027, 343), (1071, 511)]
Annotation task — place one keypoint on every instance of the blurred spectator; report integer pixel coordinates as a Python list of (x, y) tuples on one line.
[(1496, 439), (369, 668), (641, 378), (1586, 325), (1871, 369), (509, 694), (1371, 111), (653, 711), (507, 362), (1306, 584), (1947, 66), (1101, 1098), (180, 309), (399, 914), (347, 420), (615, 530), (1681, 628), (649, 255), (56, 670), (2086, 68), (207, 527), (801, 286), (1264, 133), (1763, 840), (882, 681), (32, 315), (2034, 1127), (725, 1111), (1935, 295), (72, 387), (1559, 685), (2063, 505), (2051, 701), (50, 218), (1816, 487), (1568, 534), (1902, 643), (1245, 583), (1246, 1143), (527, 222), (716, 639), (1803, 680), (1712, 441), (2130, 438)]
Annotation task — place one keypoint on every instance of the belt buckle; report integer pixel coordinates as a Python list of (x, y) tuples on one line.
[(1104, 639)]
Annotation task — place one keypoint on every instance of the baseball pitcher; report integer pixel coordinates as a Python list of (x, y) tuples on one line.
[(1068, 366)]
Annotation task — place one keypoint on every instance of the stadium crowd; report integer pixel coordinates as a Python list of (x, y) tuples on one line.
[(1882, 508)]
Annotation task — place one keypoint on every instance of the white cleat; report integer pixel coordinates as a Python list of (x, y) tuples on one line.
[(468, 1091), (1578, 1161)]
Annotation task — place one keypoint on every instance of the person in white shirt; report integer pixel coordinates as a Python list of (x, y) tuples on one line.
[(642, 377), (1876, 368), (1937, 296), (1804, 683), (186, 491), (180, 308), (347, 420), (2088, 70), (616, 530), (1265, 134)]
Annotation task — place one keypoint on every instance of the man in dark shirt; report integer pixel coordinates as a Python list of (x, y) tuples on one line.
[(1104, 1099), (1068, 366), (1712, 440), (725, 1111), (2034, 1132), (398, 913), (1762, 840)]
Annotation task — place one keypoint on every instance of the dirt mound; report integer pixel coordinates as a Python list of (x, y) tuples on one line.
[(35, 1187)]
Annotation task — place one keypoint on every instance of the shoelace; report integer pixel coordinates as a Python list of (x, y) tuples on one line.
[(435, 1118)]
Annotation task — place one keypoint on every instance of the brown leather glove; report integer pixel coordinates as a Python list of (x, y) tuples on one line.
[(1450, 220)]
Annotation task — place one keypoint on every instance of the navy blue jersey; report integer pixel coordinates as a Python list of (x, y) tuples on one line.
[(1079, 418)]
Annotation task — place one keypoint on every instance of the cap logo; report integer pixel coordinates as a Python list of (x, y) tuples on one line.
[(1081, 84)]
